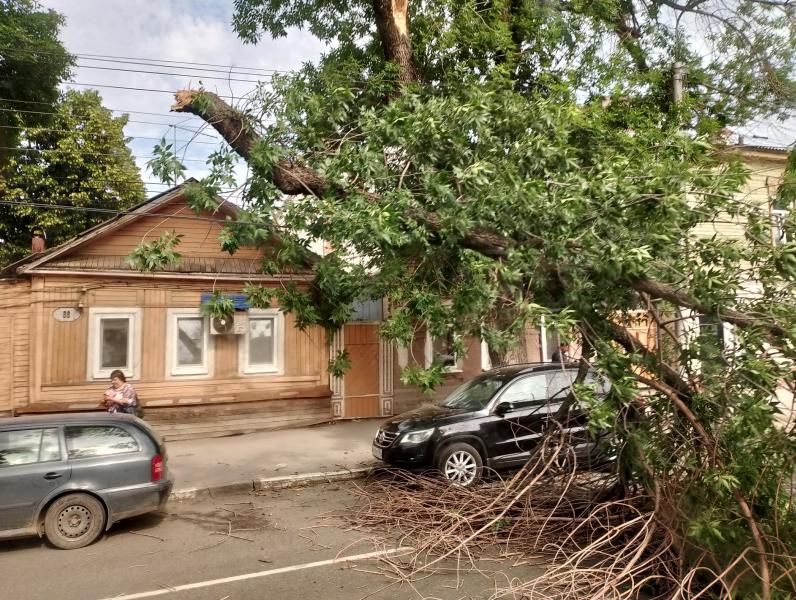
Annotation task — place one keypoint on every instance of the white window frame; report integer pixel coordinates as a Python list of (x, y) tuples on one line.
[(429, 357), (173, 368), (276, 368), (486, 360), (95, 316), (545, 353), (778, 216)]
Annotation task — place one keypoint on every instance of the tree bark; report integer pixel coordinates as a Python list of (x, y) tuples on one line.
[(288, 176), (392, 24)]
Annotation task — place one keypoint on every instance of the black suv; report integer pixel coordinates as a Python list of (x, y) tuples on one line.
[(494, 420)]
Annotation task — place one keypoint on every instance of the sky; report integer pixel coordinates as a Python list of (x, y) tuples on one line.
[(110, 35)]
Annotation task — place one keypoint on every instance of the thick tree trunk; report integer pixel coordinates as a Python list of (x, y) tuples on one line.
[(392, 23)]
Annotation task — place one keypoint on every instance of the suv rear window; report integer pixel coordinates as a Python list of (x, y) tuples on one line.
[(86, 441), (28, 446)]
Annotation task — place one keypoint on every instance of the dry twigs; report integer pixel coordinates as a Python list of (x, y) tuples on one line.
[(596, 541)]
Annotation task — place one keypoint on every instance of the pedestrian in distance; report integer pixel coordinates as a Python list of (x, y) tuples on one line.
[(120, 396)]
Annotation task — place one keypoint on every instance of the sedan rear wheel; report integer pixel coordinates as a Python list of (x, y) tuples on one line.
[(460, 464), (74, 521)]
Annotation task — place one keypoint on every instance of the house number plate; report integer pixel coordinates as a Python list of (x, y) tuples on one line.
[(66, 314)]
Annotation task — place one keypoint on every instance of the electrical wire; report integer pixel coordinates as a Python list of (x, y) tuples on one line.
[(120, 182), (136, 89), (169, 125), (122, 110), (115, 212), (117, 58), (137, 137), (193, 75), (83, 153)]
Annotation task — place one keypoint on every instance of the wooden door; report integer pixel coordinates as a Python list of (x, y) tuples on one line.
[(362, 380)]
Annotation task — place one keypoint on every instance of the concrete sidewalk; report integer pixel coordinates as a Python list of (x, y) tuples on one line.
[(338, 450)]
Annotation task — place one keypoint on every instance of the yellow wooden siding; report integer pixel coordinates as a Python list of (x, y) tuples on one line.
[(765, 176), (15, 304), (6, 362), (61, 348), (199, 237)]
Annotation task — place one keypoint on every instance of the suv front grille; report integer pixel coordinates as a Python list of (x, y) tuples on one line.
[(384, 439)]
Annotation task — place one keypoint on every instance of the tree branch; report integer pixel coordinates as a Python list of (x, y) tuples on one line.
[(288, 176), (293, 178), (629, 35), (664, 291)]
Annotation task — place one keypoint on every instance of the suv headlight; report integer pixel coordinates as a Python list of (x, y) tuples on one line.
[(417, 437)]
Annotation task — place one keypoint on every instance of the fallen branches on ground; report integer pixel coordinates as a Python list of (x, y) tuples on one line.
[(593, 539)]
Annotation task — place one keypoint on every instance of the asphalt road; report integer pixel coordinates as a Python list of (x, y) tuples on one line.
[(281, 544)]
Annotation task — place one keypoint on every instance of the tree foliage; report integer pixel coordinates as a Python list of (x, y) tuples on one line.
[(78, 159), (491, 163), (32, 63)]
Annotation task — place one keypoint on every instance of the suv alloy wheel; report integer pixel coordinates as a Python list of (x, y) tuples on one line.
[(460, 464)]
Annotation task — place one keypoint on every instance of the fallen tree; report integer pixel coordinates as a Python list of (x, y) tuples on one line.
[(492, 163)]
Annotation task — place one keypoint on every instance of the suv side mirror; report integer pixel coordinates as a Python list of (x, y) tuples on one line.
[(503, 408)]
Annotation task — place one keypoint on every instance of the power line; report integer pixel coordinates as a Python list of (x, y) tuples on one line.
[(42, 150), (156, 62), (136, 89), (121, 110), (116, 58), (137, 137), (176, 126), (120, 181), (32, 204), (201, 75), (195, 75)]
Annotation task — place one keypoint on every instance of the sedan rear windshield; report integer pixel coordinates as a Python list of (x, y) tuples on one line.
[(476, 393)]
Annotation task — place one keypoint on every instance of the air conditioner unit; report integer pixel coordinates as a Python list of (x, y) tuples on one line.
[(232, 325), (222, 325)]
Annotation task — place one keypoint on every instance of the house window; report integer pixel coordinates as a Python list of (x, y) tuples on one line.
[(440, 350), (261, 347), (368, 310), (778, 235), (114, 342), (188, 343)]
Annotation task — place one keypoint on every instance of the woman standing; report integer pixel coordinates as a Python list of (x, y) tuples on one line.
[(121, 396)]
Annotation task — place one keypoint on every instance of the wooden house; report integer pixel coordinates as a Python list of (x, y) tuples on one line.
[(72, 314)]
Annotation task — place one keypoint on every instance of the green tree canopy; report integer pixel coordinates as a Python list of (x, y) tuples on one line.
[(33, 62), (78, 159), (493, 162)]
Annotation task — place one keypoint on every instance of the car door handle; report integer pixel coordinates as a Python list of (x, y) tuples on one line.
[(52, 475)]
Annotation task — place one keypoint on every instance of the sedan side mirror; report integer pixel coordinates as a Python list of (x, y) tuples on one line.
[(503, 408)]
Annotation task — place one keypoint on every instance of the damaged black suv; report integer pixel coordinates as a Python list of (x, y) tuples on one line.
[(495, 420)]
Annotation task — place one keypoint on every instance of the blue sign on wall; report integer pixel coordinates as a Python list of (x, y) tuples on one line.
[(241, 303)]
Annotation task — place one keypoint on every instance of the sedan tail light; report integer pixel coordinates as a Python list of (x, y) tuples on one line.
[(158, 467)]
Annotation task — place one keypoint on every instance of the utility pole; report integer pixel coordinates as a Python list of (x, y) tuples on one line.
[(677, 83)]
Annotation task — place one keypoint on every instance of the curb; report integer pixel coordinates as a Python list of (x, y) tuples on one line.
[(271, 483)]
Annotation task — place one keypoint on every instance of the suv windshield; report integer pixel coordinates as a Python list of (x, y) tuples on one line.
[(475, 394)]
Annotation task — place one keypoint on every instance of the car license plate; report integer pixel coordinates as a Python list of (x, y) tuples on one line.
[(377, 452)]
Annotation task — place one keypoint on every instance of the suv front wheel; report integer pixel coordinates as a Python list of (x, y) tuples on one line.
[(460, 464)]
